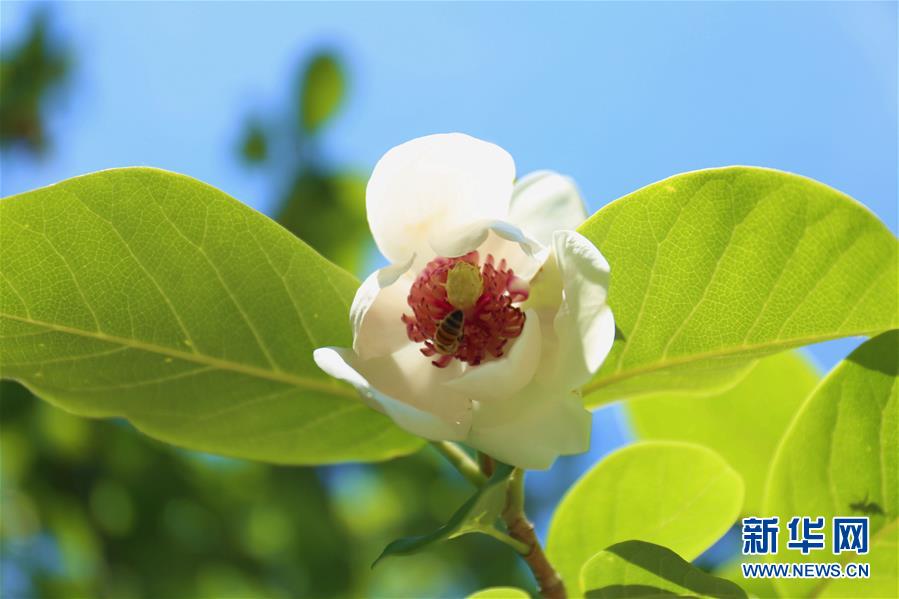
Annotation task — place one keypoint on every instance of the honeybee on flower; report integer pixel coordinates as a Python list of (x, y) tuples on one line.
[(493, 311)]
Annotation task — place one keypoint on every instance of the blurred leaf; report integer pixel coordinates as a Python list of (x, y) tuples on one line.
[(500, 593), (883, 558), (322, 205), (29, 73), (840, 451), (640, 569), (322, 91), (152, 296), (113, 507), (713, 268), (744, 424), (680, 495), (476, 515), (255, 144), (197, 507), (327, 211)]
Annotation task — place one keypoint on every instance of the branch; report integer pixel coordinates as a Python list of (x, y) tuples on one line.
[(520, 528)]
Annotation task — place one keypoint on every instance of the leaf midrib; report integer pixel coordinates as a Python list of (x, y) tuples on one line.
[(198, 358), (721, 353)]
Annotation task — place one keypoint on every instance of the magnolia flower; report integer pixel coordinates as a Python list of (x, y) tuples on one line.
[(493, 310)]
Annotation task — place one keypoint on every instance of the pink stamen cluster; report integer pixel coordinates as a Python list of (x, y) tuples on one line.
[(489, 324)]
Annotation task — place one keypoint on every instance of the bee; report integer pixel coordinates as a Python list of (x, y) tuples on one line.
[(866, 508), (449, 333)]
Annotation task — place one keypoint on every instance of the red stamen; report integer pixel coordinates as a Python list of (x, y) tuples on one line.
[(489, 324)]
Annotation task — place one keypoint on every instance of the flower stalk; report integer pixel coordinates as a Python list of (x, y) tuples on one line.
[(521, 529), (521, 536), (461, 461)]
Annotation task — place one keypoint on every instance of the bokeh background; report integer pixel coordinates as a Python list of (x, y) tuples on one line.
[(287, 107)]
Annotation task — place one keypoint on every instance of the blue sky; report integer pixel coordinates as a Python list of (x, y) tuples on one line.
[(617, 95)]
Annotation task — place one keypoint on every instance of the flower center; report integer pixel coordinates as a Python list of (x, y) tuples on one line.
[(464, 285), (464, 310)]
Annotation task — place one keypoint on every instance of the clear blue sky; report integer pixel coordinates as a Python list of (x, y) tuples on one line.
[(617, 95)]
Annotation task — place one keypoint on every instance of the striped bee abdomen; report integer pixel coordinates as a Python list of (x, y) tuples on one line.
[(449, 333)]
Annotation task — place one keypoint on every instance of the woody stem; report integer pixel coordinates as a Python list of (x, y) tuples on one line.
[(521, 529), (521, 535)]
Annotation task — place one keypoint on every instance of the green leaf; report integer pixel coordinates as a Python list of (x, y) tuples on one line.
[(149, 295), (884, 561), (840, 457), (744, 425), (679, 495), (640, 569), (761, 588), (713, 268), (500, 593), (478, 514), (322, 90)]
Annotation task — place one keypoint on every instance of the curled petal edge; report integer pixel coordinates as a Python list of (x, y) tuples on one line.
[(377, 307), (489, 237)]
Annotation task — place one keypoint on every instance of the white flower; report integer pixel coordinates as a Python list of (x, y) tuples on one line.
[(493, 312)]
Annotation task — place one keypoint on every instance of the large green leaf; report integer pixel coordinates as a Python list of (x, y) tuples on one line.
[(149, 295), (639, 569), (744, 424), (883, 559), (716, 267), (840, 457), (478, 514), (678, 495)]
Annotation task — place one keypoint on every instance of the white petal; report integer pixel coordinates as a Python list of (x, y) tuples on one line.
[(435, 183), (584, 325), (377, 311), (544, 202), (509, 374), (436, 415), (500, 239), (532, 428)]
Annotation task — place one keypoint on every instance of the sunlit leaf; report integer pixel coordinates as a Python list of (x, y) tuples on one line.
[(149, 295), (678, 495), (840, 457), (639, 569), (713, 268), (478, 514), (322, 90), (744, 424), (883, 559)]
